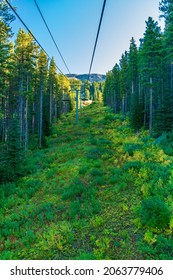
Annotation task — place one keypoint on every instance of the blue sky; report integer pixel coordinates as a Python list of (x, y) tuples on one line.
[(74, 25)]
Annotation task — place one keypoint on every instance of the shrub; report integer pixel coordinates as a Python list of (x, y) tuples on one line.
[(94, 153), (164, 247), (98, 181), (83, 170), (84, 209), (136, 165), (130, 148), (7, 190), (86, 256), (160, 249), (93, 141), (105, 142), (87, 121), (96, 172), (109, 117), (76, 189), (97, 221), (155, 213)]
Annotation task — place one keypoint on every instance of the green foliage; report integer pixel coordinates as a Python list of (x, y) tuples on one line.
[(83, 170), (135, 165), (98, 181), (96, 172), (70, 207), (94, 153), (160, 248), (155, 213), (166, 142), (87, 120), (83, 199), (31, 186), (12, 156), (76, 189), (7, 190), (86, 256), (97, 221), (130, 148)]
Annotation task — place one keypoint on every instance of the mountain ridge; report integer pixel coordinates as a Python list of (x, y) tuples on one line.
[(93, 77)]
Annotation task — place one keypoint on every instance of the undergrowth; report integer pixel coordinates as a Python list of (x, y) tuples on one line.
[(98, 191)]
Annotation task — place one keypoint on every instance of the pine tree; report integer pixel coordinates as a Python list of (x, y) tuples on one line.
[(42, 71), (25, 62), (12, 157), (116, 88), (5, 65), (150, 64), (52, 86), (124, 83), (136, 104)]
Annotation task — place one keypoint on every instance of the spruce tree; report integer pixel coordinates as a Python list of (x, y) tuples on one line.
[(42, 71), (150, 64)]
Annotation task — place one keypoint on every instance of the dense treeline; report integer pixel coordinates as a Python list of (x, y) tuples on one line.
[(32, 95), (141, 86)]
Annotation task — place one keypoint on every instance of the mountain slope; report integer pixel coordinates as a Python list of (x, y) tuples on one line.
[(93, 77)]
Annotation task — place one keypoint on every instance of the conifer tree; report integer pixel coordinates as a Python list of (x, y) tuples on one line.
[(42, 72), (52, 86), (5, 65), (150, 61), (124, 83)]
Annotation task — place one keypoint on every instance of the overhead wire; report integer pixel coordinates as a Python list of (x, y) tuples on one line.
[(29, 31), (51, 36), (95, 45)]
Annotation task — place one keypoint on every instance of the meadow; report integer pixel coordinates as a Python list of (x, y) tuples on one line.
[(98, 191)]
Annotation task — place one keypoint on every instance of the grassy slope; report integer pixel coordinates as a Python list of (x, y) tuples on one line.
[(83, 197)]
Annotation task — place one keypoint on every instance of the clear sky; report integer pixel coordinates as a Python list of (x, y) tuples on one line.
[(74, 25)]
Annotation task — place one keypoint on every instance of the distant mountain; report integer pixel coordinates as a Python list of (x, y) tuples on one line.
[(93, 77)]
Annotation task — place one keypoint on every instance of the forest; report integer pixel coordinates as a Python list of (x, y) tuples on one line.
[(98, 189)]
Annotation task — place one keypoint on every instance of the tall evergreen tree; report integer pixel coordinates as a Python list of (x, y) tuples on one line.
[(42, 71), (124, 83), (150, 60), (5, 65)]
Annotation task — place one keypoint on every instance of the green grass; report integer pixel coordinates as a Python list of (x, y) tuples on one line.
[(95, 192)]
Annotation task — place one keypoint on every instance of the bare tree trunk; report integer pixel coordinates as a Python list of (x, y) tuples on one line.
[(21, 107), (3, 122), (145, 108), (50, 100), (40, 126), (151, 107), (55, 106), (132, 87), (126, 103), (139, 88), (26, 114), (115, 103), (33, 118), (123, 106)]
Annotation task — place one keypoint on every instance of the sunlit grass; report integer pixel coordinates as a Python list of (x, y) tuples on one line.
[(84, 197)]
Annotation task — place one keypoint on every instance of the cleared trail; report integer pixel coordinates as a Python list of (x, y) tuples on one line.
[(81, 200)]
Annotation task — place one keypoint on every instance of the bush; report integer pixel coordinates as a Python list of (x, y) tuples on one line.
[(96, 172), (131, 148), (98, 181), (94, 153), (136, 165), (164, 248), (83, 170), (85, 256), (7, 190), (87, 121), (76, 189), (155, 213)]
